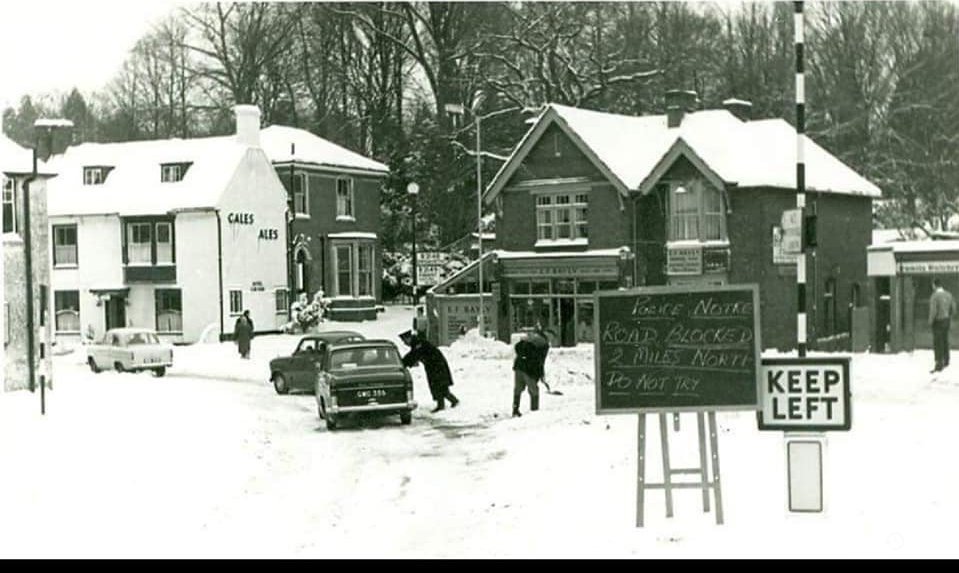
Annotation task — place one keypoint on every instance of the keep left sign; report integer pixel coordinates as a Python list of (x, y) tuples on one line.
[(810, 394)]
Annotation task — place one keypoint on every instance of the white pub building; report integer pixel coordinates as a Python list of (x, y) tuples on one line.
[(178, 235)]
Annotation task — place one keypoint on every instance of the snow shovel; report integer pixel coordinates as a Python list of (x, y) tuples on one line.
[(550, 390)]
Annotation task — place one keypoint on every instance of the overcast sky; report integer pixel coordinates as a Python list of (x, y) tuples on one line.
[(54, 45)]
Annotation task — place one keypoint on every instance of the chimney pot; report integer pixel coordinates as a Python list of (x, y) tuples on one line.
[(741, 108), (247, 125), (678, 103)]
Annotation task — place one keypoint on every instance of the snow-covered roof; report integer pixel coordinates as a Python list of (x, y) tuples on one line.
[(277, 141), (133, 185), (918, 246), (559, 254), (352, 235), (758, 153), (17, 160)]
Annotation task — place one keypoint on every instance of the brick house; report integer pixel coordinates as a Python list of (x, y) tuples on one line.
[(591, 201), (335, 198), (15, 169)]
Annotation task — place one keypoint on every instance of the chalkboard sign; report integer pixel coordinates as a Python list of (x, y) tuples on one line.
[(683, 348)]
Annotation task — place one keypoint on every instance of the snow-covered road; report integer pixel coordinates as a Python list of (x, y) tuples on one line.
[(210, 462)]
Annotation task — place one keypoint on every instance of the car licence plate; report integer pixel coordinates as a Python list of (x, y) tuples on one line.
[(370, 393)]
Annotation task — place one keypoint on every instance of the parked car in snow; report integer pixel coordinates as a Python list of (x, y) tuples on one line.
[(130, 350), (298, 371), (366, 376)]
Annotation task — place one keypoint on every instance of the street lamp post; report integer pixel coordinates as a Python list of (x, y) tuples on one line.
[(47, 127), (478, 99), (414, 189)]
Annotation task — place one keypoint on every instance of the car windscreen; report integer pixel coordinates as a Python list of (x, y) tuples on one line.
[(372, 357), (141, 338)]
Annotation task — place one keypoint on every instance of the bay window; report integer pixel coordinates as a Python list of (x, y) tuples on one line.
[(164, 235), (696, 212), (562, 216), (364, 270), (139, 243), (354, 264), (344, 270)]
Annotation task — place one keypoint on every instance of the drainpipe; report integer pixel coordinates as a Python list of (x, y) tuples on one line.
[(219, 267), (28, 270)]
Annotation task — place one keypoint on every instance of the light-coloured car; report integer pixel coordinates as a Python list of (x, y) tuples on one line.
[(130, 350)]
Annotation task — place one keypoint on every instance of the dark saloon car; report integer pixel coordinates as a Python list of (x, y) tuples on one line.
[(298, 371), (366, 376)]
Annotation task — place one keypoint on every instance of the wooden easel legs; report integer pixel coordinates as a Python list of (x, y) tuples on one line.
[(703, 471)]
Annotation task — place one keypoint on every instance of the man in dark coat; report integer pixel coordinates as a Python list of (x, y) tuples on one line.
[(528, 369), (437, 370), (243, 331)]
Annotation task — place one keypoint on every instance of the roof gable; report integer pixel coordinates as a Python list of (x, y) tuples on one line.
[(760, 153), (533, 136)]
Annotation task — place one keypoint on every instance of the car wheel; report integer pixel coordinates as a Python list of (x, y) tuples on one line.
[(406, 417), (280, 385), (118, 366), (159, 372), (93, 365)]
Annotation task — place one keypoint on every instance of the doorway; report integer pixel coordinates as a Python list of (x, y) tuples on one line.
[(115, 309), (563, 322)]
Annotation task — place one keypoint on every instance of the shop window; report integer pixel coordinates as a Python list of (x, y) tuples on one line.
[(584, 322), (301, 194), (169, 310), (236, 302), (521, 287), (562, 216), (539, 287), (282, 301), (66, 310), (696, 212), (585, 287), (344, 270), (344, 198), (64, 245), (9, 205), (364, 270)]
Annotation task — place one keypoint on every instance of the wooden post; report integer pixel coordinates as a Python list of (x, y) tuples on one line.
[(703, 459), (641, 470), (714, 446), (667, 472)]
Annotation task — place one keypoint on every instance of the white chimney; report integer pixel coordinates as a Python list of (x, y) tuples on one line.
[(247, 125)]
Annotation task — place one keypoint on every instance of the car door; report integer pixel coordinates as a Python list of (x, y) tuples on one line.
[(301, 364)]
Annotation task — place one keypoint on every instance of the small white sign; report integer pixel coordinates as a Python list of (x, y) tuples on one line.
[(805, 394), (792, 220)]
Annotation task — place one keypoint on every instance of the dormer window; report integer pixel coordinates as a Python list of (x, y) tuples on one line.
[(173, 172), (95, 175)]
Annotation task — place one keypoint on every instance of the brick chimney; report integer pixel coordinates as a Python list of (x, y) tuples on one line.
[(247, 125), (678, 103), (741, 108)]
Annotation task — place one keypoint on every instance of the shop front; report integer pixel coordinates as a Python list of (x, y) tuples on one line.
[(902, 275), (554, 290)]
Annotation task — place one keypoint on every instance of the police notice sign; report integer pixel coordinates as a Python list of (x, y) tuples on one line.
[(810, 394)]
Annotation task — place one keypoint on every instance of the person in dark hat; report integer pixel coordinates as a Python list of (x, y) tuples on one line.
[(437, 370)]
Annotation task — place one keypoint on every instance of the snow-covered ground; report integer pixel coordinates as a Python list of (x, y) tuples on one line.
[(210, 462)]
